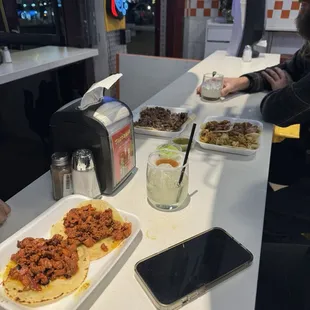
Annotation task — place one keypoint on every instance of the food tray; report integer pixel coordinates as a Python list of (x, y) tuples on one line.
[(159, 133), (228, 149), (40, 227)]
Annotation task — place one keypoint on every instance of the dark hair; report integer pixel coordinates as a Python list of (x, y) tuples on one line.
[(305, 50)]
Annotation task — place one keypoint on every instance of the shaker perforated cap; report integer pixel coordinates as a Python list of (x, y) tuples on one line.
[(60, 159), (82, 160)]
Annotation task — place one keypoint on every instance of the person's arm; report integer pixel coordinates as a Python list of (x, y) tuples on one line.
[(288, 106), (293, 67), (4, 211)]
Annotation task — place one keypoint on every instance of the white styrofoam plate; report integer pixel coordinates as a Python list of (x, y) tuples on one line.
[(159, 133), (40, 227), (229, 149)]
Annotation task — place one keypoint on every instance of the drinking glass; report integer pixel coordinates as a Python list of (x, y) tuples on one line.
[(211, 86), (163, 174)]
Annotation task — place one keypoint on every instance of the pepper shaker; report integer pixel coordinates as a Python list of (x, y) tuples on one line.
[(84, 175), (61, 175)]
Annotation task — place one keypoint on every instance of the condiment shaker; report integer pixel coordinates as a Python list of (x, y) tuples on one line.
[(6, 55), (247, 54), (84, 175), (61, 175)]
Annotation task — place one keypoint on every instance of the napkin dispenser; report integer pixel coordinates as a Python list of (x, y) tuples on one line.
[(105, 128)]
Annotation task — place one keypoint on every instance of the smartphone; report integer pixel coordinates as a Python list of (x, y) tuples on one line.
[(185, 271)]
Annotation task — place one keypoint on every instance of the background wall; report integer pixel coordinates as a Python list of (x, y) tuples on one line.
[(195, 16), (280, 15), (137, 84)]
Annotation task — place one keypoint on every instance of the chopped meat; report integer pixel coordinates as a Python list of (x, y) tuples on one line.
[(45, 263), (104, 248), (22, 244), (224, 125), (87, 226), (122, 233), (41, 260), (41, 278), (89, 242), (161, 119), (58, 265)]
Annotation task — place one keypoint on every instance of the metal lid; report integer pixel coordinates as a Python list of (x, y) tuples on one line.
[(60, 159), (82, 160)]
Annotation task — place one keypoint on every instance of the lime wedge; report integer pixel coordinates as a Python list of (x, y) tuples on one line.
[(167, 150)]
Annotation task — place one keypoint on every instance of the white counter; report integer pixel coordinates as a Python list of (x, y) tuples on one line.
[(33, 61), (227, 191)]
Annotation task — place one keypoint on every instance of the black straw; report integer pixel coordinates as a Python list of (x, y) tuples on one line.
[(187, 153)]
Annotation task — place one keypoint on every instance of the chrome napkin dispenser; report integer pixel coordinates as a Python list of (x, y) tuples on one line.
[(105, 128)]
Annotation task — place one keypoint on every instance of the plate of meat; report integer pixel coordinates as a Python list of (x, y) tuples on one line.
[(58, 259), (162, 121), (230, 135)]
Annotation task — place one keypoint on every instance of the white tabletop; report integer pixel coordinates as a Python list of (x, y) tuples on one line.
[(228, 191), (33, 61)]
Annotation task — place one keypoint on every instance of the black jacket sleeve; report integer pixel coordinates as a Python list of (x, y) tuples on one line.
[(288, 106), (294, 67)]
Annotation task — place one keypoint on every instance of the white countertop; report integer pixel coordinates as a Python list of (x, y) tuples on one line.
[(228, 191), (33, 61)]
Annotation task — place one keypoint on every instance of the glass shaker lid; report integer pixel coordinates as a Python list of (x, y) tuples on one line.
[(82, 160), (60, 158)]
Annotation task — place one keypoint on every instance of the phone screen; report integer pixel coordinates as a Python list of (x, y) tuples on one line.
[(181, 270)]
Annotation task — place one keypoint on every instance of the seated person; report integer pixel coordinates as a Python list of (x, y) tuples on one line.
[(4, 211), (287, 103)]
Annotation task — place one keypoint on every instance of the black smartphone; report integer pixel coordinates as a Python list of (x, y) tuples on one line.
[(185, 271)]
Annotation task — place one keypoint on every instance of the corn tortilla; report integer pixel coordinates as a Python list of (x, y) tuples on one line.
[(95, 252), (54, 290)]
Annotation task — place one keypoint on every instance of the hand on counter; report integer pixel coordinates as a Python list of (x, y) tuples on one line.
[(231, 85), (4, 211), (277, 78)]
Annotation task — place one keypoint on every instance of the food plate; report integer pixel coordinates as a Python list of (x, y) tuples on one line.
[(159, 133), (40, 227), (228, 149)]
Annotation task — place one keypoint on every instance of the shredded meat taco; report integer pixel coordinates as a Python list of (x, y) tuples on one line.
[(44, 270), (95, 224)]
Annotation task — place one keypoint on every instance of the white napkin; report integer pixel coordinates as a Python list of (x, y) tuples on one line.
[(95, 94)]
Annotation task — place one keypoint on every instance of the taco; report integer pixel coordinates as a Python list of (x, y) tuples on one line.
[(44, 270), (95, 224)]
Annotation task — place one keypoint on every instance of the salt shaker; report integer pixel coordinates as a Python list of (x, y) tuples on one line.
[(247, 54), (84, 175), (6, 55), (61, 175)]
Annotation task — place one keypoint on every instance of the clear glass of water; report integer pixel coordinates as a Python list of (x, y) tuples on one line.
[(163, 173), (211, 86)]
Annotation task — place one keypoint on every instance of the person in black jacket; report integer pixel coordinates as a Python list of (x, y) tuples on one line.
[(288, 84), (287, 103)]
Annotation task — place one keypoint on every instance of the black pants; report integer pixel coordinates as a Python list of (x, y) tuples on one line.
[(287, 214), (288, 210), (284, 277), (284, 273), (288, 162)]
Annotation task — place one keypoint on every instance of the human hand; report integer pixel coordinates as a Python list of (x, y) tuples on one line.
[(276, 77), (4, 211), (231, 85)]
